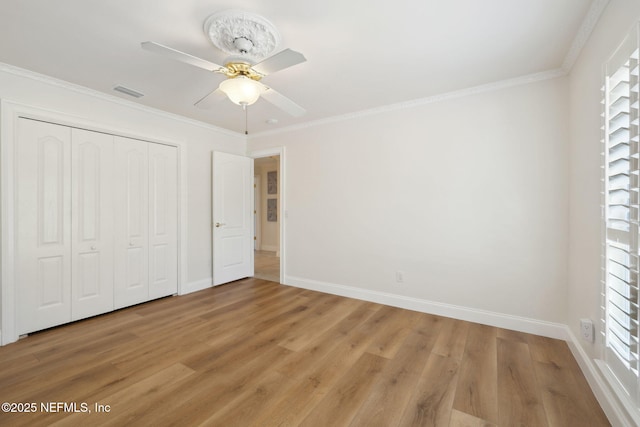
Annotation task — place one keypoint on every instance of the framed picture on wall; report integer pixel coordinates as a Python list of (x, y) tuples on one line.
[(272, 210), (272, 182)]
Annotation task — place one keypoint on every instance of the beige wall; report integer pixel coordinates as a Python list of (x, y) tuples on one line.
[(467, 197), (269, 231), (586, 79), (585, 221)]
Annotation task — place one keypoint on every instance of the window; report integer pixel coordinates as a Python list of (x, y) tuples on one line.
[(621, 199)]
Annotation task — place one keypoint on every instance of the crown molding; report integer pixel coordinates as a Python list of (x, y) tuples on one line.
[(52, 81), (474, 90), (586, 28), (489, 87), (584, 32)]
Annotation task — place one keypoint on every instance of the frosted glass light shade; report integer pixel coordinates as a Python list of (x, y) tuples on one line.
[(241, 90)]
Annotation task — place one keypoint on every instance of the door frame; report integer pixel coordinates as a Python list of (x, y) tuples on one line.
[(257, 238), (278, 151), (10, 113)]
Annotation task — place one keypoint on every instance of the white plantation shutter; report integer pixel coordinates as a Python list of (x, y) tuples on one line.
[(621, 198)]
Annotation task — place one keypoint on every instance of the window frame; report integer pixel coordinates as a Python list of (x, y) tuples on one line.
[(623, 375)]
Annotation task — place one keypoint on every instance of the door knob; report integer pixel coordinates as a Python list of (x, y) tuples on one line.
[(220, 224), (93, 248)]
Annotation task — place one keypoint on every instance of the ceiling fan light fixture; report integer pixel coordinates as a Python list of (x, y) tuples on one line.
[(241, 90)]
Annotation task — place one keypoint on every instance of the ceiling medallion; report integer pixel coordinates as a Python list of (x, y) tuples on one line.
[(237, 32)]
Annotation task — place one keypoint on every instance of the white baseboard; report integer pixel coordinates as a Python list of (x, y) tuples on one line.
[(269, 248), (612, 407), (196, 286), (517, 323)]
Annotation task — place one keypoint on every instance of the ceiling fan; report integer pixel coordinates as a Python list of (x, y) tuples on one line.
[(246, 36)]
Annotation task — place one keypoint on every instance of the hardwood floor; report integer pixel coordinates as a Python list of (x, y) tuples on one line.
[(267, 266), (255, 353)]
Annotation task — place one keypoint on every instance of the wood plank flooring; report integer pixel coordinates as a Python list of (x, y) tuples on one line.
[(255, 353), (267, 266)]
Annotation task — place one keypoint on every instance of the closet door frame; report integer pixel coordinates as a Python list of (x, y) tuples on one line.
[(10, 113)]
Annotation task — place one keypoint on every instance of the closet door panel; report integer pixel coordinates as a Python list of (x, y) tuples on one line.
[(43, 225), (131, 222), (163, 220), (92, 156)]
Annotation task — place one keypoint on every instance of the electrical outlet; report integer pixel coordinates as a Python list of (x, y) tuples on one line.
[(399, 276), (586, 330)]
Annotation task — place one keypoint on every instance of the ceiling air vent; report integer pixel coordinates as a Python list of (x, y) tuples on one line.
[(128, 91)]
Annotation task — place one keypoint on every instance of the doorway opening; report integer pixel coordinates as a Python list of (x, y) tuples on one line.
[(267, 217)]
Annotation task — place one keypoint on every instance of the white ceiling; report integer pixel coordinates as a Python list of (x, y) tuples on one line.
[(360, 54)]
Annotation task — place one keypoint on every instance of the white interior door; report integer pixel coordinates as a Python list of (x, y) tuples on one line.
[(163, 220), (232, 217), (131, 221), (91, 223), (43, 225)]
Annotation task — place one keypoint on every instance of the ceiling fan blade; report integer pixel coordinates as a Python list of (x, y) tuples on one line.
[(282, 102), (279, 61), (210, 99), (181, 56)]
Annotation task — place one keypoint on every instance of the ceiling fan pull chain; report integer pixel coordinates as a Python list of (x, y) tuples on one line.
[(246, 119)]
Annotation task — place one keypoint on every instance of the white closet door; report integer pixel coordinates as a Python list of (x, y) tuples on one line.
[(92, 223), (44, 226), (131, 222), (163, 220)]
